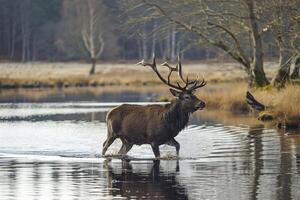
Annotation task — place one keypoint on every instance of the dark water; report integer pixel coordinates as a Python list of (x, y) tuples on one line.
[(51, 151)]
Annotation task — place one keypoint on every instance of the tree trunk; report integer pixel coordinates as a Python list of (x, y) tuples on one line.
[(153, 46), (283, 41), (144, 47), (34, 51), (178, 50), (295, 73), (23, 42), (283, 73), (259, 79), (153, 43), (140, 48), (144, 42), (161, 49), (257, 65), (25, 29), (92, 70), (168, 46), (13, 40), (173, 43), (251, 77)]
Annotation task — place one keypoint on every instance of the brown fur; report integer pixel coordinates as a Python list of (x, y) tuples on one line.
[(150, 124)]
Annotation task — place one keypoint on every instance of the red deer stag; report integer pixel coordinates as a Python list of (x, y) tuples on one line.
[(154, 124)]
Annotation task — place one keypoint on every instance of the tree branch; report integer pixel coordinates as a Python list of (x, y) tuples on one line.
[(237, 56)]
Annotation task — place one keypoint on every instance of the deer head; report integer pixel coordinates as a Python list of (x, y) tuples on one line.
[(185, 94)]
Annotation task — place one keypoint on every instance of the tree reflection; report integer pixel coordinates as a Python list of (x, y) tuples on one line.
[(256, 134), (264, 157), (284, 178)]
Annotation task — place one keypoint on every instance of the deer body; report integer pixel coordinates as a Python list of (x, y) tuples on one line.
[(153, 124), (146, 124)]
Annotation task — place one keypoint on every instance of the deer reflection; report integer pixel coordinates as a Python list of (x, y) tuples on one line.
[(137, 183)]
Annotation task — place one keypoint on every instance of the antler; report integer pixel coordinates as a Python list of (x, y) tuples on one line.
[(189, 85), (171, 69), (197, 84), (154, 68), (187, 82)]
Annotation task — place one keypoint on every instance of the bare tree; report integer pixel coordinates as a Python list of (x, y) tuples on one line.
[(25, 29), (295, 73), (91, 25), (86, 28), (231, 26), (91, 30), (279, 20)]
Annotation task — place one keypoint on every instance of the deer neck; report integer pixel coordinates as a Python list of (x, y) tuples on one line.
[(176, 117)]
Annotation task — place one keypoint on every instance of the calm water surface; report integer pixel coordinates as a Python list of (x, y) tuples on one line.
[(51, 151)]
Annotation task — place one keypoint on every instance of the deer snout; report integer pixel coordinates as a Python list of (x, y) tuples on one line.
[(200, 105)]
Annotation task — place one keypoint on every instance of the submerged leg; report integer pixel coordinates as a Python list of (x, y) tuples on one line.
[(155, 170), (107, 143), (175, 144), (155, 149), (125, 148)]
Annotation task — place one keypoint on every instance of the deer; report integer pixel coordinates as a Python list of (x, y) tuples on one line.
[(155, 124)]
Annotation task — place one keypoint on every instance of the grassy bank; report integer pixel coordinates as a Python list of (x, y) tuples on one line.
[(283, 105), (225, 91), (226, 102), (63, 75)]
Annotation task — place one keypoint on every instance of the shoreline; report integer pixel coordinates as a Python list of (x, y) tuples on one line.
[(226, 88), (64, 75), (223, 103)]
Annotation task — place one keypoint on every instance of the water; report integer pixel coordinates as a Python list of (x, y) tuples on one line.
[(52, 151)]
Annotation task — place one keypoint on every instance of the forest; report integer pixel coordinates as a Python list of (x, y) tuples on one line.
[(246, 31)]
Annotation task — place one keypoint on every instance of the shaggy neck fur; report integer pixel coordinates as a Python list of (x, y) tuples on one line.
[(176, 118)]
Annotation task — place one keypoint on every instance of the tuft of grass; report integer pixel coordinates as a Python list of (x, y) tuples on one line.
[(230, 97), (283, 103)]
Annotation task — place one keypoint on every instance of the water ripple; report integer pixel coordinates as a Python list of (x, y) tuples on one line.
[(51, 151)]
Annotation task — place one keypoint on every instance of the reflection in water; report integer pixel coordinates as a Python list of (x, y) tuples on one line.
[(50, 151), (103, 94), (280, 165), (284, 178), (56, 180), (255, 133), (155, 184)]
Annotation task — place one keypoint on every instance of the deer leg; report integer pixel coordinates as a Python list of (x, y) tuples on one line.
[(128, 147), (155, 149), (175, 144), (107, 143), (122, 149), (155, 169), (125, 148)]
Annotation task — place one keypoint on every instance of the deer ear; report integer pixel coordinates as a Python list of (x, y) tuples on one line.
[(175, 92)]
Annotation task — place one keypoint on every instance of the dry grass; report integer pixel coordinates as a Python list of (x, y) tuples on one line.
[(227, 118), (230, 97), (225, 90), (283, 104), (35, 75)]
